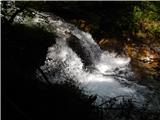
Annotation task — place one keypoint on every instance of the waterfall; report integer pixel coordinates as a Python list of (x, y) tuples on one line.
[(78, 57)]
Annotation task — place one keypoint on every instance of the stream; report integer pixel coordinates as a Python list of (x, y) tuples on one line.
[(78, 57)]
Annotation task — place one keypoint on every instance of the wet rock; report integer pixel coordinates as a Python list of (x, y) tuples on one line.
[(76, 46)]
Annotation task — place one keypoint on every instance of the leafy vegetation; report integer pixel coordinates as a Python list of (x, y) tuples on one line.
[(147, 20)]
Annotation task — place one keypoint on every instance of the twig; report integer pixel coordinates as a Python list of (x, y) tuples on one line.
[(18, 109), (44, 76)]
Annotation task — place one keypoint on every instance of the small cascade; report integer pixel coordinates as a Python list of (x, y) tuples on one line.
[(78, 57), (88, 46)]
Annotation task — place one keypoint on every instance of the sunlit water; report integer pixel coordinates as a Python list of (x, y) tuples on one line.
[(107, 74)]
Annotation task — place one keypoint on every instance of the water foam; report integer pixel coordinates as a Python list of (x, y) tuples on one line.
[(103, 77)]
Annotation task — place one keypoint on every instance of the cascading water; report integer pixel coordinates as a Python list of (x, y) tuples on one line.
[(78, 57)]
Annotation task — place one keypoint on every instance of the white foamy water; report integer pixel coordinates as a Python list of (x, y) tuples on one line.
[(78, 57)]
